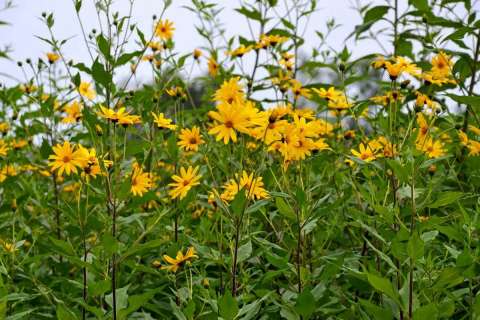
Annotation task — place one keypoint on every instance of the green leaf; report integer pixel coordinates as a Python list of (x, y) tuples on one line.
[(377, 312), (429, 312), (446, 198), (3, 299), (238, 203), (110, 244), (244, 252), (385, 286), (100, 75), (45, 149), (103, 46), (62, 247), (415, 247), (470, 100), (126, 57), (421, 5), (78, 5), (121, 297), (449, 277), (400, 171), (284, 209), (305, 304), (375, 13), (228, 306), (252, 14), (64, 314)]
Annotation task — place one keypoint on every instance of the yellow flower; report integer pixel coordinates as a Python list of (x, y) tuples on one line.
[(229, 118), (73, 111), (379, 62), (4, 127), (190, 139), (164, 29), (463, 137), (474, 129), (394, 70), (28, 88), (129, 119), (107, 113), (213, 67), (155, 46), (163, 122), (8, 247), (121, 116), (270, 41), (197, 53), (7, 171), (388, 98), (3, 148), (253, 187), (229, 92), (179, 260), (176, 92), (474, 148), (184, 182), (85, 89), (18, 144), (423, 126), (90, 165), (240, 51), (442, 65), (441, 72), (65, 159), (433, 149), (298, 90), (330, 94), (52, 57), (407, 66), (140, 181), (364, 153)]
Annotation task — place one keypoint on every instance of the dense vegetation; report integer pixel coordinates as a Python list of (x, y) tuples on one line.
[(273, 185)]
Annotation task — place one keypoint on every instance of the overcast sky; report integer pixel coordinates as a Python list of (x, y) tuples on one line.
[(25, 24)]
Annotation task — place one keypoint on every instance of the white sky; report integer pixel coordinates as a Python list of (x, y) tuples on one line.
[(25, 23)]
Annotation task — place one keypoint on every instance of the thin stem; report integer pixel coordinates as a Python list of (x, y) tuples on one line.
[(412, 225), (472, 81), (114, 233)]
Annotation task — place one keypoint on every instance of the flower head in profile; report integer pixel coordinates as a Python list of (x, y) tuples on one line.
[(162, 122), (65, 159), (52, 57), (141, 181), (181, 259), (213, 67), (120, 116), (190, 139), (85, 89), (197, 53), (240, 51), (187, 179), (164, 29), (3, 148), (176, 92)]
